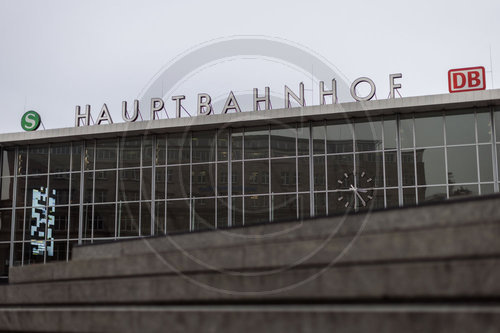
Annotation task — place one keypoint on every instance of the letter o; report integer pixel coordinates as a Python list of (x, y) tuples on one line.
[(355, 84)]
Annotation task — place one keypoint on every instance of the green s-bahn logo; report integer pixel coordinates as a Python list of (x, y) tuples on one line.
[(30, 121)]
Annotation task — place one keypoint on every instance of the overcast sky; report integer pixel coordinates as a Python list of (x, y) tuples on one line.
[(55, 55)]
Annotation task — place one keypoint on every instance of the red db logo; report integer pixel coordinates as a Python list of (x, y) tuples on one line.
[(466, 79)]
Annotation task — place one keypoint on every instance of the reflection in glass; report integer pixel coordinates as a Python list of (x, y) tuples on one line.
[(105, 186), (146, 218), (341, 202), (485, 163), (391, 169), (460, 129), (76, 156), (74, 218), (237, 145), (203, 144), (87, 221), (368, 136), (129, 184), (222, 178), (130, 152), (60, 155), (177, 216), (159, 220), (406, 132), (8, 162), (146, 183), (256, 209), (431, 166), (369, 170), (204, 214), (319, 204), (392, 198), (222, 212), (104, 221), (106, 154), (203, 180), (38, 159), (484, 128), (127, 219), (463, 190), (283, 142), (60, 228), (304, 206), (22, 158), (160, 178), (237, 178), (147, 150), (237, 211), (6, 195), (462, 165), (35, 183), (60, 251), (303, 133), (431, 193), (257, 177), (409, 196), (256, 143), (429, 131), (75, 188), (319, 173), (222, 145), (338, 165), (339, 138), (18, 226), (161, 150), (487, 189), (178, 179), (283, 207), (88, 156), (390, 133), (303, 173), (318, 136), (283, 175), (60, 183)]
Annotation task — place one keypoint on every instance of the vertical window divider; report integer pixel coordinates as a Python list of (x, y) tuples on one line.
[(325, 165), (80, 204), (446, 156), (415, 157), (140, 184), (93, 191), (117, 165), (297, 203), (14, 203), (398, 159), (191, 199), (312, 213), (230, 177), (384, 191), (477, 154), (216, 190), (153, 185), (494, 149), (47, 207), (69, 198)]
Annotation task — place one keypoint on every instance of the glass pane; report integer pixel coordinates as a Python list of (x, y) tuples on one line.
[(339, 138), (87, 222), (4, 259), (38, 183), (38, 159), (368, 136), (178, 179), (105, 186), (204, 180), (283, 142), (161, 150), (159, 220), (236, 145), (256, 143), (237, 178), (391, 169), (22, 158), (18, 255), (460, 129), (60, 155), (177, 216), (303, 133), (408, 167), (284, 207), (485, 163), (340, 202), (60, 227), (88, 156), (88, 187), (74, 217), (7, 191), (409, 196), (390, 133), (462, 165), (369, 170), (406, 132), (222, 178), (75, 188), (392, 198), (60, 184), (283, 175), (429, 131), (104, 221), (204, 214), (129, 184), (431, 193), (338, 165), (496, 116), (160, 178), (484, 128), (146, 218), (376, 201), (319, 204), (237, 211), (303, 173), (256, 209), (203, 146), (222, 212), (431, 168), (130, 152), (58, 252), (127, 219), (106, 154), (487, 189), (147, 150), (304, 206), (319, 173), (34, 252), (222, 145), (5, 224), (76, 156), (318, 136), (18, 227), (257, 177), (463, 190), (147, 175), (8, 161)]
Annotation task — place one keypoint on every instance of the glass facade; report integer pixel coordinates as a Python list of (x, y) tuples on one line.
[(57, 195)]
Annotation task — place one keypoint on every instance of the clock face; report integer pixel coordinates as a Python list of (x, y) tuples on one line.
[(356, 189)]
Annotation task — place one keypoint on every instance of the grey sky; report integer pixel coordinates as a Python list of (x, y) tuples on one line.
[(58, 54)]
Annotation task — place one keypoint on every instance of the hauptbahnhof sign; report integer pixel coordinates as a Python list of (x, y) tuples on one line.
[(204, 105)]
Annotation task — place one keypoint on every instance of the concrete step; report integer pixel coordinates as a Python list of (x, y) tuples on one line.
[(255, 318), (450, 213), (477, 240), (440, 279)]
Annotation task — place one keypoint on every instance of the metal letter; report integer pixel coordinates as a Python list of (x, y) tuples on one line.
[(204, 104), (155, 108), (257, 99), (178, 100), (85, 116), (104, 115), (393, 85), (289, 93), (355, 84), (231, 104), (323, 92), (125, 112)]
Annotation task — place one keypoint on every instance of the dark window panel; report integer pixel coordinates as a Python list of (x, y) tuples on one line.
[(303, 173), (368, 135), (60, 228), (74, 215), (60, 155), (4, 259), (369, 170), (127, 219), (484, 128), (146, 218), (76, 158), (237, 211), (256, 209), (19, 224), (391, 169), (392, 198), (283, 142), (341, 202), (339, 138), (88, 187), (88, 156), (319, 173), (130, 152), (60, 184), (318, 137), (406, 132), (5, 224), (304, 206), (178, 178), (147, 150), (431, 193), (463, 190), (204, 214), (106, 154), (303, 133), (257, 177), (177, 216), (409, 196), (105, 186), (236, 178), (429, 131), (338, 166), (485, 163), (146, 183), (161, 150), (60, 251), (462, 164), (38, 183), (203, 145), (390, 133), (129, 185), (319, 204), (283, 175), (222, 212), (178, 148), (284, 207), (159, 220), (460, 129), (6, 195), (38, 159), (8, 161), (104, 221), (75, 188), (256, 143), (222, 178), (408, 168), (237, 145), (203, 179), (87, 222), (160, 179)]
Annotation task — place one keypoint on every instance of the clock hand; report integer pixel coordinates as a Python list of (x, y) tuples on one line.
[(360, 198)]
